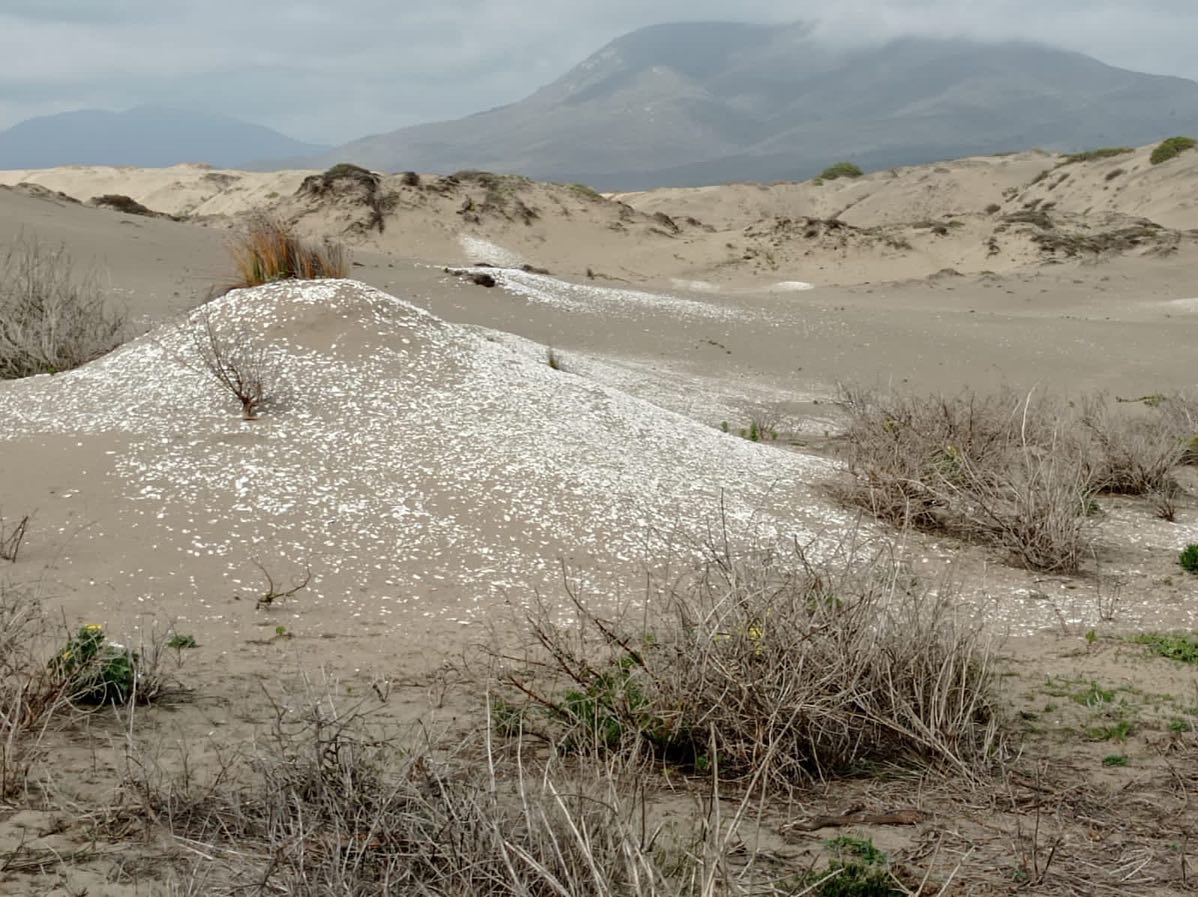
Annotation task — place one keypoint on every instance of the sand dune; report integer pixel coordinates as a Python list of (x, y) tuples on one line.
[(970, 215), (426, 473)]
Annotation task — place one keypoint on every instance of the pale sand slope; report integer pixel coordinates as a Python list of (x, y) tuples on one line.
[(428, 474), (972, 215), (149, 266)]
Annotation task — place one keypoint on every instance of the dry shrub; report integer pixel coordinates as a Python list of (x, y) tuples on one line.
[(1133, 453), (269, 250), (11, 538), (1016, 472), (32, 694), (324, 805), (236, 359), (772, 670), (51, 320)]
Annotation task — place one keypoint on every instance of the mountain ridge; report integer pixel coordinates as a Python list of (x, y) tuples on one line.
[(697, 103), (147, 136)]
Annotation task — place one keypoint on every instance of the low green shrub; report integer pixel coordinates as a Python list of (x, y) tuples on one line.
[(97, 671), (1106, 152), (840, 170), (1171, 149), (1188, 559)]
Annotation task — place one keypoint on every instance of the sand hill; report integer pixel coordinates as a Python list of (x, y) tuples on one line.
[(428, 474), (998, 214)]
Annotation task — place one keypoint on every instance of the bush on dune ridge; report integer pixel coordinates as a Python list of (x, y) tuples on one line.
[(1171, 149)]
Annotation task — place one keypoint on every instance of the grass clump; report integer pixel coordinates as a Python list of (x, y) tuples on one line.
[(51, 320), (840, 170), (771, 668), (1179, 646), (269, 250), (858, 870), (1171, 149), (1188, 559), (1105, 152), (1118, 761)]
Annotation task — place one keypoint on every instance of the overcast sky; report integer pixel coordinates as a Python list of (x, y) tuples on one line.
[(334, 70)]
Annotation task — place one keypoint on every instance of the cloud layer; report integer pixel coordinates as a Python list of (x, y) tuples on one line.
[(329, 72)]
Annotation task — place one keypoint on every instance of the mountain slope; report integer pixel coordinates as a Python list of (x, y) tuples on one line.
[(147, 136), (707, 102)]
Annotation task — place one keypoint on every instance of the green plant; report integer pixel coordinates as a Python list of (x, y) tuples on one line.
[(1179, 646), (179, 641), (840, 170), (1093, 695), (1116, 760), (96, 670), (1106, 152), (1188, 559), (1119, 731), (1180, 726), (1171, 149), (859, 848)]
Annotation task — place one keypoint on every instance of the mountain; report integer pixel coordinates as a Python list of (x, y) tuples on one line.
[(694, 103), (147, 137)]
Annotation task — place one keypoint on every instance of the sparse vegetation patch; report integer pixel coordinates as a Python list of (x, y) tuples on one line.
[(270, 250), (1106, 152), (840, 170), (1171, 149)]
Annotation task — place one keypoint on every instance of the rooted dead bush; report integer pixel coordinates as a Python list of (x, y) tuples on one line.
[(1003, 470), (269, 250), (237, 360), (1133, 453), (51, 318), (767, 668), (323, 805)]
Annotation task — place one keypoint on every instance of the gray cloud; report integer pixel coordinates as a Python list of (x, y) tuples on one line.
[(329, 72)]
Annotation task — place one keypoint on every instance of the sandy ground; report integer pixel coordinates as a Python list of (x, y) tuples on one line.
[(432, 471)]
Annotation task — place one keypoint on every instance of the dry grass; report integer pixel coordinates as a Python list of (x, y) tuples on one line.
[(1017, 472), (769, 669), (32, 693), (11, 537), (51, 319), (269, 250), (325, 804)]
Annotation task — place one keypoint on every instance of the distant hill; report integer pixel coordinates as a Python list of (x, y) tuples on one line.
[(147, 137), (695, 103)]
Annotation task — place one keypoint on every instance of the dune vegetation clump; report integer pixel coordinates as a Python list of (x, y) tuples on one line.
[(51, 319), (269, 250), (1015, 472), (1171, 149), (769, 667), (840, 170), (1094, 155)]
